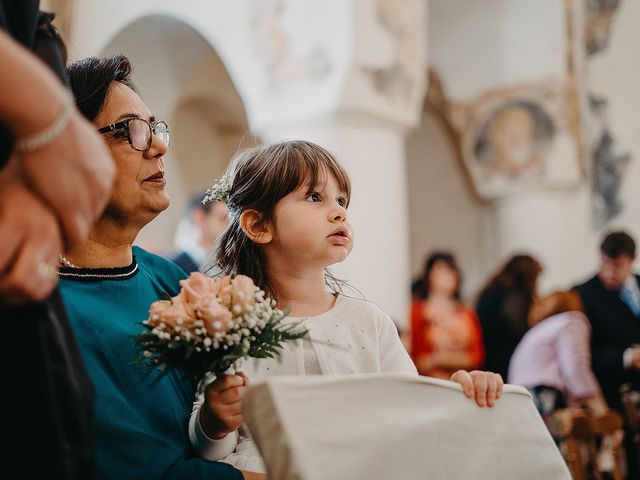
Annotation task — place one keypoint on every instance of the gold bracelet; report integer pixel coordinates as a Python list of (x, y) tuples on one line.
[(48, 134)]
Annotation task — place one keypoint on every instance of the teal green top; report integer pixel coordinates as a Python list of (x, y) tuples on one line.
[(141, 431)]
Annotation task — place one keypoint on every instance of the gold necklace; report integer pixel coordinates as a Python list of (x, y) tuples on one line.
[(65, 262)]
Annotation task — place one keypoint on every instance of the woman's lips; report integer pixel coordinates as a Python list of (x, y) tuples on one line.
[(156, 178)]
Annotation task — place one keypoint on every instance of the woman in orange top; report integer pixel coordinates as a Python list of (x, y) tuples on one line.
[(445, 335)]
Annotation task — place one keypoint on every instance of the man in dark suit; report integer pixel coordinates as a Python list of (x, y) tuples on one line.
[(198, 231), (611, 301)]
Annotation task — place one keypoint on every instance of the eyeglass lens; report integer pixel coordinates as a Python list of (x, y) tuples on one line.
[(161, 130), (140, 133)]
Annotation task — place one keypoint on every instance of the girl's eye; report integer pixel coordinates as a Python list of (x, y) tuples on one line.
[(314, 197), (342, 202)]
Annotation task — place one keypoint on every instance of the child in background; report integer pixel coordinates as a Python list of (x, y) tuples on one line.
[(288, 222)]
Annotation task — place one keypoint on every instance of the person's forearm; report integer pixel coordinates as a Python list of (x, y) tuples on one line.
[(37, 96)]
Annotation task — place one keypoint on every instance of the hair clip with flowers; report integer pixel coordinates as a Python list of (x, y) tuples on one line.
[(219, 192)]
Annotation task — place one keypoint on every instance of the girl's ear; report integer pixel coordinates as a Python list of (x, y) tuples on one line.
[(254, 227)]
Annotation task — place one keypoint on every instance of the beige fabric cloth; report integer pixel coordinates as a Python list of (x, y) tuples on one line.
[(396, 426), (355, 336)]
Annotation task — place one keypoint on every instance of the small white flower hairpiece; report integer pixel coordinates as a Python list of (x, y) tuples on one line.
[(219, 192)]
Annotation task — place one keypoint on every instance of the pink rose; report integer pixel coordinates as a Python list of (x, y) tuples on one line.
[(197, 286), (214, 315), (237, 292), (171, 313), (156, 310), (244, 287), (226, 291)]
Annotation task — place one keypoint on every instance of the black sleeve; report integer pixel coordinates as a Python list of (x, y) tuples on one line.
[(19, 19), (48, 46), (607, 362)]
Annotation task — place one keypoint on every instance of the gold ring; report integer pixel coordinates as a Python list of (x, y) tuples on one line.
[(46, 271)]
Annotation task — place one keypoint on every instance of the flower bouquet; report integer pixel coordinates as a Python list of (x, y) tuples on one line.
[(210, 325)]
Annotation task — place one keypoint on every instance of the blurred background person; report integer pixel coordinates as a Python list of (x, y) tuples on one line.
[(445, 335), (503, 309), (611, 302), (553, 359), (198, 231)]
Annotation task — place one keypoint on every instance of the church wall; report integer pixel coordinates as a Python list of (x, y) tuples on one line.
[(555, 223)]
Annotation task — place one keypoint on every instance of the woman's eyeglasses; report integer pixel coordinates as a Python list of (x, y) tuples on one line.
[(138, 131)]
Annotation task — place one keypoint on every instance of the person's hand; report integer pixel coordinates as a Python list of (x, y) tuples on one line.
[(222, 408), (72, 175), (30, 240), (485, 387)]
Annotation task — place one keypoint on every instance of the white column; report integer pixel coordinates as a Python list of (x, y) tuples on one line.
[(555, 227)]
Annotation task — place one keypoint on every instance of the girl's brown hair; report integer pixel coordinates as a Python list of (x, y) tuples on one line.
[(259, 177)]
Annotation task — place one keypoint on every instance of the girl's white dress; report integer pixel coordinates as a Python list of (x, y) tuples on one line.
[(355, 336)]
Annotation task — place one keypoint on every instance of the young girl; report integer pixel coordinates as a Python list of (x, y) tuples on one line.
[(288, 222)]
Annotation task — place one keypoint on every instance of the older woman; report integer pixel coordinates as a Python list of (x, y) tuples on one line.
[(108, 284)]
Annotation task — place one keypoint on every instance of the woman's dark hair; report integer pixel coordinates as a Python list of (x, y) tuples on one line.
[(520, 272), (90, 79), (619, 243), (259, 178), (420, 286)]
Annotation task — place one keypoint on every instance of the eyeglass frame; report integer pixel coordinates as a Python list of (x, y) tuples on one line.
[(124, 124)]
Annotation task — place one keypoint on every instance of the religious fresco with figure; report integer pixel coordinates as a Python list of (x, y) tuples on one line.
[(551, 133), (608, 164), (511, 138), (519, 135)]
